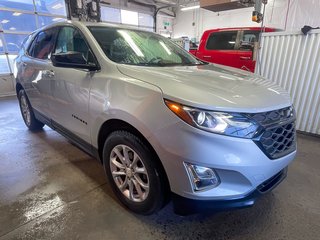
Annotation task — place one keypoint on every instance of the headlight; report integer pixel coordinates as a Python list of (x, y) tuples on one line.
[(231, 124)]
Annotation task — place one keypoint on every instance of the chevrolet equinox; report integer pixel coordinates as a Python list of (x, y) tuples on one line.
[(165, 125)]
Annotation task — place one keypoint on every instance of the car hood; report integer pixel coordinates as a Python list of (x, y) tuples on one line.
[(212, 87)]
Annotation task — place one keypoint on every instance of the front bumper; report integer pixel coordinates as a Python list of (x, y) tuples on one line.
[(239, 163), (186, 206)]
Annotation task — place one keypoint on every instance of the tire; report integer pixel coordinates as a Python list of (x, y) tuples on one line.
[(138, 169), (27, 113)]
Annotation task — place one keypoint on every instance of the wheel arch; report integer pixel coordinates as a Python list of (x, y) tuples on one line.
[(112, 125)]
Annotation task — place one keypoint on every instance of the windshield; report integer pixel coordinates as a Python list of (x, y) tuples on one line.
[(136, 47)]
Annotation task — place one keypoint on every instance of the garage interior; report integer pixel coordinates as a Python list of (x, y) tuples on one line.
[(50, 189)]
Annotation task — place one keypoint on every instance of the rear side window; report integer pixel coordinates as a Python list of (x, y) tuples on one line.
[(42, 45), (222, 40)]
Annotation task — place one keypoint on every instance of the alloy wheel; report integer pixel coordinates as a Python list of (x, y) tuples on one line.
[(25, 110), (129, 173)]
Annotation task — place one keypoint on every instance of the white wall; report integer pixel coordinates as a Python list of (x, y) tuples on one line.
[(288, 59), (297, 12), (303, 12), (204, 19), (165, 25)]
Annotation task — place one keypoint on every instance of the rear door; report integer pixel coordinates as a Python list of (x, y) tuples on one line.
[(220, 48), (36, 68), (248, 39)]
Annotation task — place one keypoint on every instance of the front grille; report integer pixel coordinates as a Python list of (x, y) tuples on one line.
[(277, 137), (273, 117), (278, 141)]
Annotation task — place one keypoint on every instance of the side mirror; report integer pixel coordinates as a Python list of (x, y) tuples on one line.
[(72, 60)]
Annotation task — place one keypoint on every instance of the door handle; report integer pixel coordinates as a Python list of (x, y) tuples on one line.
[(48, 73), (245, 58), (206, 56)]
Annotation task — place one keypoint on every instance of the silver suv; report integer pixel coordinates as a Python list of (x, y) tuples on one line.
[(164, 124)]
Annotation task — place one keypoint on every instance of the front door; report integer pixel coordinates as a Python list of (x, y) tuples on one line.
[(220, 48), (70, 87)]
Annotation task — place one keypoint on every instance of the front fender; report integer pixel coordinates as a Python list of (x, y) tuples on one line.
[(132, 101)]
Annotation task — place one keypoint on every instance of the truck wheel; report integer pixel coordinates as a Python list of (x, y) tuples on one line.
[(133, 173), (27, 114)]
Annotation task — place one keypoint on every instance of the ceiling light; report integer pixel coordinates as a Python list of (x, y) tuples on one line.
[(57, 6), (16, 14), (5, 21), (190, 8)]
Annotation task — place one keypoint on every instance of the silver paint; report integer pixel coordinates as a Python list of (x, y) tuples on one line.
[(135, 95), (49, 189)]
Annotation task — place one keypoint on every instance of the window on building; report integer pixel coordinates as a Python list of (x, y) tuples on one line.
[(17, 21), (145, 20), (14, 41), (222, 40), (17, 4), (18, 18), (147, 29), (110, 14), (11, 58), (129, 17), (1, 44), (4, 66), (45, 20), (56, 7)]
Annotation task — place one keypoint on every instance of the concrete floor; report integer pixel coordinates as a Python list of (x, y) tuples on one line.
[(50, 189)]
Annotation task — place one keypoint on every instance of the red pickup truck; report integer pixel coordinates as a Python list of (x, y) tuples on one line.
[(230, 46)]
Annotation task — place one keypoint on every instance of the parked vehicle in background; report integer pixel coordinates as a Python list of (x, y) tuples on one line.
[(193, 48), (232, 47)]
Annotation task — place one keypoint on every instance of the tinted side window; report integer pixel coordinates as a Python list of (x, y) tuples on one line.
[(42, 45), (222, 40), (248, 39), (70, 40)]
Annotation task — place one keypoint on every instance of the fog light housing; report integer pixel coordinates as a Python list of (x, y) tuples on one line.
[(202, 178)]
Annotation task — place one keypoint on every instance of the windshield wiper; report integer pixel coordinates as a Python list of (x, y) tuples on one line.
[(193, 63), (164, 64), (158, 64)]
